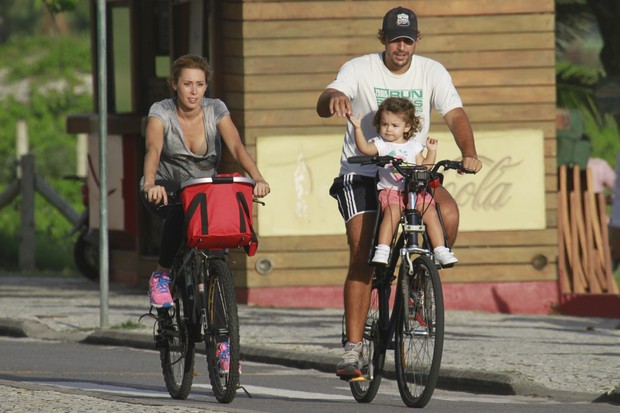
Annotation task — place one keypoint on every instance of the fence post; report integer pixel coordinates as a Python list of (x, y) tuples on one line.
[(27, 242), (21, 143)]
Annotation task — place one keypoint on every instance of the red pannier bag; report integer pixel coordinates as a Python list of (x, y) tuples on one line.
[(218, 213)]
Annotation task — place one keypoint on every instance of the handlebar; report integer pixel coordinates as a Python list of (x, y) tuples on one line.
[(406, 169)]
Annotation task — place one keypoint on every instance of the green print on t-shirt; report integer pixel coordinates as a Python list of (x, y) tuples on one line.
[(414, 95)]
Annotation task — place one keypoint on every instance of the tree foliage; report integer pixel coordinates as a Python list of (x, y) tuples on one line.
[(43, 81), (576, 83)]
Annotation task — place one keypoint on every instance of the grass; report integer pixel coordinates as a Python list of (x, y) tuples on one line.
[(129, 325)]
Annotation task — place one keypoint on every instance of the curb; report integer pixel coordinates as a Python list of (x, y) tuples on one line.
[(451, 379)]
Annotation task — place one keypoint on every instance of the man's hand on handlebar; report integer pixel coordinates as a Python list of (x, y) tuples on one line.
[(471, 165)]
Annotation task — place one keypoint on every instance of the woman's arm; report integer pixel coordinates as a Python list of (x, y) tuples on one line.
[(232, 140), (154, 142)]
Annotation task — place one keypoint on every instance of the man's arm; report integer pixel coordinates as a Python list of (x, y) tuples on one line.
[(332, 102), (459, 125)]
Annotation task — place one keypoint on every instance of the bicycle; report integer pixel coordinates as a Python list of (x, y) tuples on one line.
[(205, 310), (415, 327)]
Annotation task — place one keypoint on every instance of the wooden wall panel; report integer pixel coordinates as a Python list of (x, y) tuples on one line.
[(277, 56)]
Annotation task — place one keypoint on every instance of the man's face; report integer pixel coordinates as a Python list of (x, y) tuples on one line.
[(398, 54)]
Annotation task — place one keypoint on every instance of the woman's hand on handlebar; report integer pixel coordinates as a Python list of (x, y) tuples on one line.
[(471, 165), (155, 194), (261, 189)]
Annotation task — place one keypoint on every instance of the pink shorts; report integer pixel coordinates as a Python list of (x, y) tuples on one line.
[(392, 196)]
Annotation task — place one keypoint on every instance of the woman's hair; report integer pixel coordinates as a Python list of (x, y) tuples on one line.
[(189, 61), (400, 106)]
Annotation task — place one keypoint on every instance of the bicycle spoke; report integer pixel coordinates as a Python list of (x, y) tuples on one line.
[(419, 340), (365, 388), (222, 332)]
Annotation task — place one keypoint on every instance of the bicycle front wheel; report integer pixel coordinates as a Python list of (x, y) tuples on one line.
[(365, 388), (420, 332), (176, 350), (222, 332)]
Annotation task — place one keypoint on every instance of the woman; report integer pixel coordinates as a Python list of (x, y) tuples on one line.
[(183, 141)]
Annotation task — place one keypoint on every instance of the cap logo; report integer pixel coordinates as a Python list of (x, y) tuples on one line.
[(402, 19)]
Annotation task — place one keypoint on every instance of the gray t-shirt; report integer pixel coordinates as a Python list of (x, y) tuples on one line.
[(177, 163)]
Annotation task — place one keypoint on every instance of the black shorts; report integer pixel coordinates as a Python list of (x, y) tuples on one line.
[(355, 194)]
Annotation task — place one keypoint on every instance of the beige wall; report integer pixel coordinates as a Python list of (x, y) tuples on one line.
[(278, 56)]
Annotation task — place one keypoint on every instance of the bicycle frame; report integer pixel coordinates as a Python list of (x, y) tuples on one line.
[(415, 328)]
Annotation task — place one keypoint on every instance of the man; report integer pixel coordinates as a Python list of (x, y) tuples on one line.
[(360, 86)]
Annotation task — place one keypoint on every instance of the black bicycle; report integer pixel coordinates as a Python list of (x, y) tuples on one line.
[(204, 311), (414, 328)]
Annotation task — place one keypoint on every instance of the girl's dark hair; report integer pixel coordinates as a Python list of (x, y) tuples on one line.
[(189, 61), (400, 106)]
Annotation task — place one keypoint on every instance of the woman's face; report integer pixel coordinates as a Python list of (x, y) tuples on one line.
[(190, 88)]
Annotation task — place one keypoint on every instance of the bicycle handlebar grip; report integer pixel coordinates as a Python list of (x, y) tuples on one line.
[(360, 159)]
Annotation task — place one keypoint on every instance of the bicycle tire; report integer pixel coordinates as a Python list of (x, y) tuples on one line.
[(222, 325), (373, 355), (420, 333), (176, 349)]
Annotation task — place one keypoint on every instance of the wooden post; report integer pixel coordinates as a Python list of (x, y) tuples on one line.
[(81, 149), (27, 244), (21, 143)]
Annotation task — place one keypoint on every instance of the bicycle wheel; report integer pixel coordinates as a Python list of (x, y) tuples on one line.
[(176, 349), (420, 332), (365, 388), (222, 331)]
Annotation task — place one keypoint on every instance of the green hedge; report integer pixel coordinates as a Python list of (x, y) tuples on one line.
[(55, 69)]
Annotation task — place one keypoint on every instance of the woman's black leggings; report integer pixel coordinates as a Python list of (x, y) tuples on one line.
[(172, 231)]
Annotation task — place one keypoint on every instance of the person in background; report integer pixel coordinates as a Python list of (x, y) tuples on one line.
[(603, 176)]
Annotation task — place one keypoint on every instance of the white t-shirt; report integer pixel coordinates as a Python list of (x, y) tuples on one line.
[(390, 178), (367, 82)]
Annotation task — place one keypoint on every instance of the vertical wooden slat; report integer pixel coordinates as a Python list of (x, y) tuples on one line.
[(579, 282), (568, 286), (593, 272), (564, 267), (612, 287)]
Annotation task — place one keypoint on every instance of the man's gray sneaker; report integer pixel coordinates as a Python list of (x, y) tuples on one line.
[(350, 366)]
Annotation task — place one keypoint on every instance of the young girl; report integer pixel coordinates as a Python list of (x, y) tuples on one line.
[(396, 123)]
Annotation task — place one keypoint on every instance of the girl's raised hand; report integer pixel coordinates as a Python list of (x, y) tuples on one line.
[(432, 143), (356, 122)]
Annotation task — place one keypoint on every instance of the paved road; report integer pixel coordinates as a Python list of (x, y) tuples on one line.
[(558, 357)]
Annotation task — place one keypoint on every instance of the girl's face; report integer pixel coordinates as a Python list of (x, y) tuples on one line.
[(190, 87), (393, 127)]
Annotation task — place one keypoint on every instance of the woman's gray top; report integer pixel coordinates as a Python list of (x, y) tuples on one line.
[(177, 163)]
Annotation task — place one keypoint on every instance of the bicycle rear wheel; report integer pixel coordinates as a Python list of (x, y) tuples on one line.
[(365, 388), (420, 333), (176, 349), (222, 331)]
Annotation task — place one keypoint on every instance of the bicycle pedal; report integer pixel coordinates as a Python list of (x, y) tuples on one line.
[(357, 379)]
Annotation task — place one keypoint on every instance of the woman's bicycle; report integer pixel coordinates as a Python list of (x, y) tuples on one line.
[(414, 328), (204, 311)]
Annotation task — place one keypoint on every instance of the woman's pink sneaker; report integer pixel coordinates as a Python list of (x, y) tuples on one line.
[(159, 290)]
